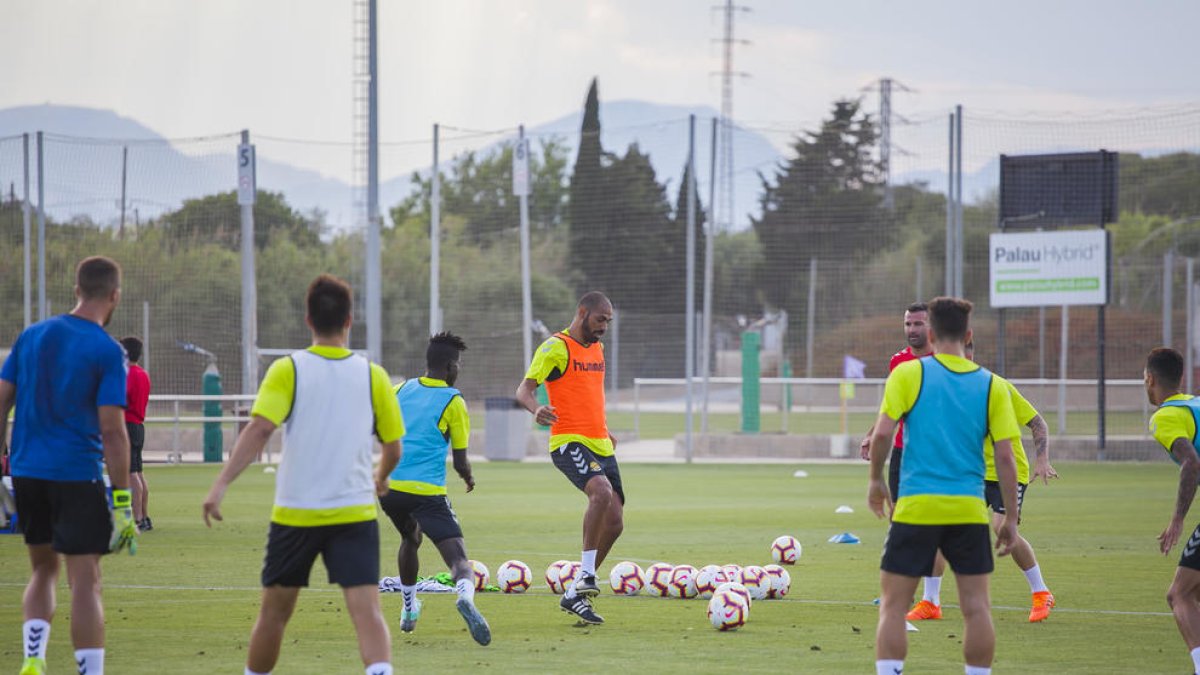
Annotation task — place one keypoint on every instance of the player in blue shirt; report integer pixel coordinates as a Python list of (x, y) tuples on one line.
[(435, 419), (66, 377)]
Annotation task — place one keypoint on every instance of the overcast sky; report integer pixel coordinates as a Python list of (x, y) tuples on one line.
[(282, 67)]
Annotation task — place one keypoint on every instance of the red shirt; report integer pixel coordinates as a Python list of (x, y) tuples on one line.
[(137, 394), (899, 357)]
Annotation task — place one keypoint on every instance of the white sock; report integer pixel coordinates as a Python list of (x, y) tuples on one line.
[(1196, 659), (933, 590), (889, 667), (37, 638), (465, 589), (90, 661), (410, 594), (254, 672), (589, 562), (1034, 576), (977, 670), (381, 668)]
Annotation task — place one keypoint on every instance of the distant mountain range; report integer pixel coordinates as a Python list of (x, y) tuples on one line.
[(83, 160)]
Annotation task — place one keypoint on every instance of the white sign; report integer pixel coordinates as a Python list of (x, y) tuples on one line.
[(246, 183), (520, 170), (1037, 269)]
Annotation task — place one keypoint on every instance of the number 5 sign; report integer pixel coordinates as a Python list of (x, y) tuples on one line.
[(246, 179)]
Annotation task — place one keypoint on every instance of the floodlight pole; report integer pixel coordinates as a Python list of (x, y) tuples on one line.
[(526, 285), (709, 233), (25, 220), (690, 310), (374, 287), (435, 240)]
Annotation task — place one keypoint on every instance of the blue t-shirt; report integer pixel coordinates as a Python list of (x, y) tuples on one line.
[(64, 369)]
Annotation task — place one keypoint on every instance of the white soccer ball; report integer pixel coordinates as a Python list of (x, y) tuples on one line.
[(756, 581), (708, 578), (514, 576), (627, 578), (481, 574), (658, 579), (728, 610), (554, 575), (780, 581), (785, 550), (683, 582), (736, 588), (732, 572), (570, 572)]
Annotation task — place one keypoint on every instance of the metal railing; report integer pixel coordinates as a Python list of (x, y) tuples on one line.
[(1070, 395)]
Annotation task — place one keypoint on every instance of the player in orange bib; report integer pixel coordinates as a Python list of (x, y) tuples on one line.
[(571, 364)]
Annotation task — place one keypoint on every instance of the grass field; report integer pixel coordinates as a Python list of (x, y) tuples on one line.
[(186, 602)]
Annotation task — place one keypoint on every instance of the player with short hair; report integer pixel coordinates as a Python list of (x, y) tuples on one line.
[(571, 364), (930, 605), (335, 403), (138, 396), (1174, 426), (436, 418), (66, 377), (916, 333), (949, 406)]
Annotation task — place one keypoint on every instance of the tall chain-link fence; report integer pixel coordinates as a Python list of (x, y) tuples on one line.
[(821, 257)]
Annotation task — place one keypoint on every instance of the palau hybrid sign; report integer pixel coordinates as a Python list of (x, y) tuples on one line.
[(1037, 269)]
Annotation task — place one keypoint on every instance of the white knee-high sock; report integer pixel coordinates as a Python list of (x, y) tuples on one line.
[(381, 668), (90, 661), (589, 563), (465, 589), (37, 637), (889, 667), (1196, 659), (933, 590), (409, 593), (1034, 576)]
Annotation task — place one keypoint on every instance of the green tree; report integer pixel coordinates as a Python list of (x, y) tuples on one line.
[(1163, 185), (478, 188), (218, 219), (587, 207), (825, 202)]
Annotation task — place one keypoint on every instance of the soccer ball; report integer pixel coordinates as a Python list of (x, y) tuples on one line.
[(683, 582), (780, 581), (707, 580), (658, 579), (732, 572), (570, 572), (785, 550), (756, 581), (514, 576), (627, 578), (734, 587), (555, 573), (481, 574), (728, 610)]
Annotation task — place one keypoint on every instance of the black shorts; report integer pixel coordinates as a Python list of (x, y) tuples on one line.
[(1191, 551), (995, 502), (137, 439), (579, 464), (350, 553), (910, 549), (432, 513), (72, 516), (894, 472)]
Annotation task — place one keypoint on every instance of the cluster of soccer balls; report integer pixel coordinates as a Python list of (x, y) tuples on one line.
[(730, 589)]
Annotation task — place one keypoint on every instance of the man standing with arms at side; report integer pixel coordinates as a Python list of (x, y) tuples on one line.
[(436, 418), (916, 333), (335, 404), (66, 377), (949, 405), (571, 364), (1174, 426), (138, 396)]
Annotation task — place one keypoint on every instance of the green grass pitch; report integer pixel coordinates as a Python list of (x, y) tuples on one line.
[(186, 602)]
